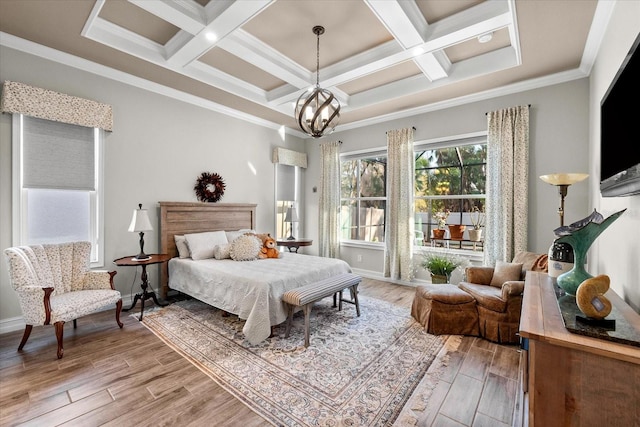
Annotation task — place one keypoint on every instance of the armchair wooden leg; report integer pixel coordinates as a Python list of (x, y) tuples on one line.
[(118, 310), (59, 333), (75, 323), (25, 336)]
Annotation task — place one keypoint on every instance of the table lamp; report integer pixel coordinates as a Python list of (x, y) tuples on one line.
[(561, 254), (291, 216), (139, 224)]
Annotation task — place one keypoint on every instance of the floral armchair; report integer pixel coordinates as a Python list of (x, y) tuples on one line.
[(55, 285)]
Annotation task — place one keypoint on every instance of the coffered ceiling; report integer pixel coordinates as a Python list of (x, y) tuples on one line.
[(381, 58)]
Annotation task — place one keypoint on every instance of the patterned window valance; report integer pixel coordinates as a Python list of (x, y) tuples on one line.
[(289, 157), (54, 106)]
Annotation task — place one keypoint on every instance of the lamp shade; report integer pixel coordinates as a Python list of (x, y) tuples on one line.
[(140, 221), (563, 178), (291, 215)]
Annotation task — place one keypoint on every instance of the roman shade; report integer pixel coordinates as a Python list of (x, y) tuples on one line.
[(47, 104), (58, 155)]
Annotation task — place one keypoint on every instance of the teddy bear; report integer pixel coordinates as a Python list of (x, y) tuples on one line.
[(269, 248)]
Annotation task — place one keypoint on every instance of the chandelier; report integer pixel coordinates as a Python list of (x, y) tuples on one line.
[(317, 111)]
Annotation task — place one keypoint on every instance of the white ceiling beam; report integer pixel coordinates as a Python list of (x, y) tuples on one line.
[(401, 20), (119, 38), (185, 14), (408, 26), (254, 51), (473, 67), (230, 19), (480, 19)]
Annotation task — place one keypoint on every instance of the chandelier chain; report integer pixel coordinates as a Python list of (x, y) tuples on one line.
[(318, 60)]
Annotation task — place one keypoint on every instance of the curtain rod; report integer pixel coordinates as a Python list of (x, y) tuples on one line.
[(528, 105), (412, 127)]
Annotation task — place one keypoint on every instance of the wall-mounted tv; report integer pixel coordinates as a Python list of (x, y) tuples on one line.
[(620, 130)]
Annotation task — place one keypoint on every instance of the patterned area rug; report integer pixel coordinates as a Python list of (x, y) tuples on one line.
[(357, 371)]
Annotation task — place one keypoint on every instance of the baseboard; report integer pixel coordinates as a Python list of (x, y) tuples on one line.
[(11, 324), (375, 275)]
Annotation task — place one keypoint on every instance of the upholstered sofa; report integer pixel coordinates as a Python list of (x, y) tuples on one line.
[(498, 293), (55, 285)]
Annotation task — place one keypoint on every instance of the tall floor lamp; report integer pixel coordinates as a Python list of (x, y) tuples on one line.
[(561, 254)]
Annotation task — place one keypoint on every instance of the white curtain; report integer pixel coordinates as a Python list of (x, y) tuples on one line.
[(399, 216), (507, 183), (329, 204)]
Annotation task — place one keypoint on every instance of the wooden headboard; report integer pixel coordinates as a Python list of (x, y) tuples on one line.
[(189, 217)]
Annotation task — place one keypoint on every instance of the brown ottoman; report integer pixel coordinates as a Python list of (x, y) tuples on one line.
[(445, 309)]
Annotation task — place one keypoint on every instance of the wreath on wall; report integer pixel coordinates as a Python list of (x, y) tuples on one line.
[(209, 187)]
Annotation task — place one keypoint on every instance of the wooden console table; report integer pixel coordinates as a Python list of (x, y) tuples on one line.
[(570, 379)]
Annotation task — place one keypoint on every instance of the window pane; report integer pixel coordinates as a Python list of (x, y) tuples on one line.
[(348, 179), (349, 220), (371, 220), (55, 216), (372, 177)]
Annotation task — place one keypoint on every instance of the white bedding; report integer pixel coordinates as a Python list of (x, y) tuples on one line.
[(251, 289)]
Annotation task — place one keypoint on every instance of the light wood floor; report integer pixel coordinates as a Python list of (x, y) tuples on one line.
[(126, 377)]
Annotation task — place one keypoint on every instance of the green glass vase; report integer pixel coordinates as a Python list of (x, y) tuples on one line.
[(581, 235)]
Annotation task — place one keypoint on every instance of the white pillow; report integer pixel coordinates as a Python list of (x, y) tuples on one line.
[(245, 248), (222, 251), (201, 244), (232, 235), (181, 246)]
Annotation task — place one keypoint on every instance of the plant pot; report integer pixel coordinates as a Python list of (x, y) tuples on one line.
[(438, 233), (456, 231), (475, 235), (438, 279)]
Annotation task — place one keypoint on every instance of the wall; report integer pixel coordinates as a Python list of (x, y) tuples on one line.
[(558, 138), (158, 148), (617, 251)]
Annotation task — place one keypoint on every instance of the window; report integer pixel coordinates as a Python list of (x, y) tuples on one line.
[(57, 184), (287, 183), (450, 176), (363, 198)]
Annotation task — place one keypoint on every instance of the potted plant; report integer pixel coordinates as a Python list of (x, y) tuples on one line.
[(441, 265), (477, 219), (441, 217)]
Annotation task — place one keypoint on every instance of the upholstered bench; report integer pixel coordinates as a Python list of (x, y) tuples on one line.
[(445, 309), (305, 296)]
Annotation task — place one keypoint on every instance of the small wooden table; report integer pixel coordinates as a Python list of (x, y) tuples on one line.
[(294, 244), (130, 261)]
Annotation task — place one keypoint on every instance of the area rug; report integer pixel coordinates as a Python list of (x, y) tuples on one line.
[(357, 371)]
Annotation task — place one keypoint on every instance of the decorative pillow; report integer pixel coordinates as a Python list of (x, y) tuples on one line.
[(504, 272), (201, 244), (232, 235), (182, 247), (245, 248), (222, 251)]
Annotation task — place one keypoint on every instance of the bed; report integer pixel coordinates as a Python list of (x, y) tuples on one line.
[(252, 290)]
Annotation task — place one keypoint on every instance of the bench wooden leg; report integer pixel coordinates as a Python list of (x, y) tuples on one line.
[(354, 295), (339, 301), (307, 316), (289, 320)]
